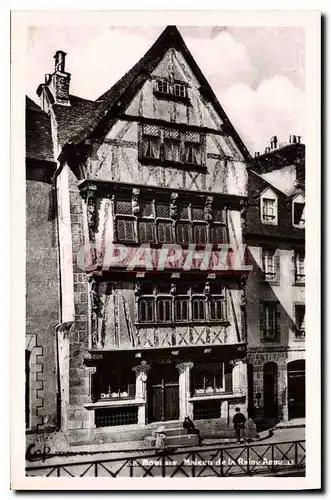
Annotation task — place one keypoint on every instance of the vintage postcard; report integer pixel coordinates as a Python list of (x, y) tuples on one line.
[(166, 329)]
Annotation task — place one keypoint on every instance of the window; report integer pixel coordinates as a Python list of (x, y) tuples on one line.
[(207, 379), (163, 86), (170, 89), (114, 384), (198, 308), (270, 264), (164, 310), (165, 144), (270, 321), (146, 309), (217, 310), (299, 269), (300, 313), (269, 209), (181, 309), (299, 214), (153, 224), (187, 304), (151, 141), (179, 90), (116, 416)]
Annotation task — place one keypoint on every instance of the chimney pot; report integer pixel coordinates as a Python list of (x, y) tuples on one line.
[(257, 153), (267, 149), (60, 60), (48, 76), (273, 142)]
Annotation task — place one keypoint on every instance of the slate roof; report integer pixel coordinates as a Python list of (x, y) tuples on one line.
[(38, 144)]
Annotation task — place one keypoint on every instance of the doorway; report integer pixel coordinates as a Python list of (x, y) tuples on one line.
[(270, 389), (296, 389), (163, 393)]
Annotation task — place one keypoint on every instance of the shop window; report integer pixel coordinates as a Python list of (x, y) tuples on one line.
[(115, 384)]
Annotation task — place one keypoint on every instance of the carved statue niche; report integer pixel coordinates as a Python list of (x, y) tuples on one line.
[(243, 291), (208, 211), (173, 289), (137, 288), (135, 201), (94, 298), (207, 288), (173, 205)]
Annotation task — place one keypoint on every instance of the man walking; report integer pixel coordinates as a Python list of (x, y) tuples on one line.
[(239, 420)]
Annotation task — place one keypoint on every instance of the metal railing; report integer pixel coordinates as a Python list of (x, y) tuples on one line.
[(286, 458)]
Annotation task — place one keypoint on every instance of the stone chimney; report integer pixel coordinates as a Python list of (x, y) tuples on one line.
[(58, 83), (273, 142), (295, 139)]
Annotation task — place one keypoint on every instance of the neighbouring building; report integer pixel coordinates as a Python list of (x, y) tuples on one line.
[(42, 275), (135, 332), (275, 235)]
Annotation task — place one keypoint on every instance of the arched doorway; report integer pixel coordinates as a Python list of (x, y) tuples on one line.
[(296, 388), (270, 389)]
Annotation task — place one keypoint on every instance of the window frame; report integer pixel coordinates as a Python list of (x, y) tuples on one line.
[(208, 371), (297, 255), (296, 202), (204, 316), (269, 195), (300, 331), (264, 307)]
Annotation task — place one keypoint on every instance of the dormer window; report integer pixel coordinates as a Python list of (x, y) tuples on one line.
[(165, 89), (179, 90), (298, 211), (163, 86), (269, 207)]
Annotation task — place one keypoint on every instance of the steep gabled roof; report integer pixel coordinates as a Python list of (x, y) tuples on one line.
[(38, 145), (111, 102)]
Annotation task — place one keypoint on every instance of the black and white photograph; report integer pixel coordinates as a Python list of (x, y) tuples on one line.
[(166, 272)]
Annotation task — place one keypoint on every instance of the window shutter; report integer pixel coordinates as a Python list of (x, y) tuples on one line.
[(277, 266), (278, 322), (228, 379), (262, 321), (294, 274)]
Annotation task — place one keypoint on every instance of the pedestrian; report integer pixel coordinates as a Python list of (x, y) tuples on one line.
[(239, 420), (161, 438), (188, 424)]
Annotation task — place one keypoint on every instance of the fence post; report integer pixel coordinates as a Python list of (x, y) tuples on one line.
[(221, 457), (163, 465), (96, 469), (296, 453), (272, 456), (193, 466), (247, 456)]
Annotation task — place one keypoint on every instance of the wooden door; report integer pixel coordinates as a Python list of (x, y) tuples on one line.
[(296, 388), (163, 393)]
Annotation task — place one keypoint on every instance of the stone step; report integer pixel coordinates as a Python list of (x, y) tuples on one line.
[(171, 431), (183, 440)]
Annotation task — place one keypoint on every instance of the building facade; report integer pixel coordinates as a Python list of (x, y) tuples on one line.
[(151, 191), (275, 235)]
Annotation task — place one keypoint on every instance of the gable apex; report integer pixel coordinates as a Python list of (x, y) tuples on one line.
[(113, 101)]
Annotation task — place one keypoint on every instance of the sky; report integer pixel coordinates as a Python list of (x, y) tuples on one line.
[(257, 74)]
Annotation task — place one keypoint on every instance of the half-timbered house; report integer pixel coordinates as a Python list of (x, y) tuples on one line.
[(151, 188)]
